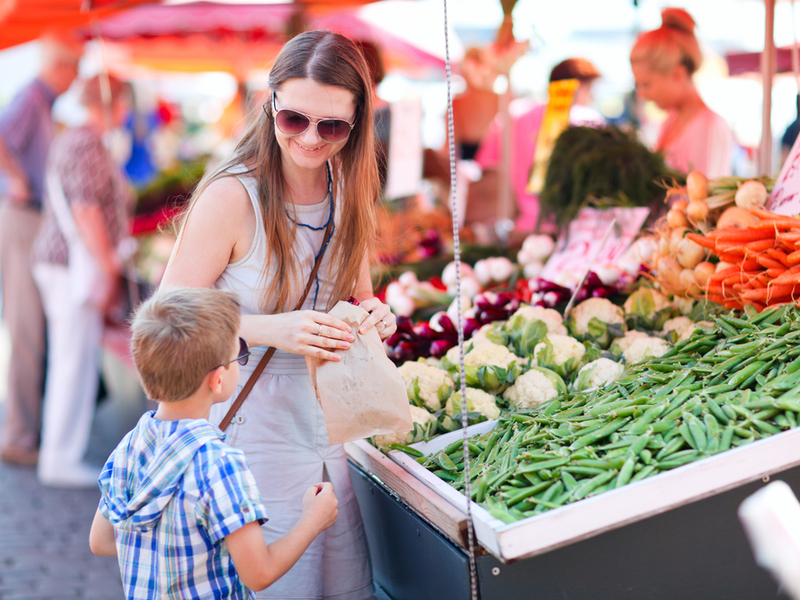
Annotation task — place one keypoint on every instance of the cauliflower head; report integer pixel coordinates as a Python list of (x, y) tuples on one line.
[(598, 373), (420, 418), (489, 355), (647, 308), (561, 353), (551, 318), (477, 401), (426, 385), (679, 328), (592, 317), (620, 344), (535, 387), (644, 348)]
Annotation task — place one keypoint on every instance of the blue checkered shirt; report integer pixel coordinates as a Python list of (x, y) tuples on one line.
[(173, 490)]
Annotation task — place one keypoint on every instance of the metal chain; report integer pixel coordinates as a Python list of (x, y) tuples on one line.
[(473, 574)]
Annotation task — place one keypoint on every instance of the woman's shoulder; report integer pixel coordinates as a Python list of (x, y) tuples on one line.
[(225, 200)]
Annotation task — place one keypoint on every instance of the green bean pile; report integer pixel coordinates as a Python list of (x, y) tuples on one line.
[(723, 387)]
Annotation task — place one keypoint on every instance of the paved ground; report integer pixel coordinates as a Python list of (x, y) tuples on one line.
[(44, 532)]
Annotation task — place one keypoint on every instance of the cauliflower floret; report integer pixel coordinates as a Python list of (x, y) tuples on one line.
[(649, 307), (551, 318), (418, 415), (683, 305), (482, 335), (620, 344), (598, 373), (432, 361), (564, 349), (429, 379), (605, 311), (490, 355), (644, 348), (535, 387), (477, 401), (681, 326)]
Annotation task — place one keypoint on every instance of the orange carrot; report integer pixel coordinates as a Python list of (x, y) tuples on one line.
[(715, 298), (794, 258), (775, 224), (768, 262), (789, 277), (744, 235), (761, 245), (720, 275), (751, 264), (789, 236), (766, 215), (741, 277), (729, 258), (701, 240), (773, 291), (733, 304), (777, 272), (780, 256)]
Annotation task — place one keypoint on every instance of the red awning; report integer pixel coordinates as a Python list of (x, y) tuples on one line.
[(750, 62), (25, 20)]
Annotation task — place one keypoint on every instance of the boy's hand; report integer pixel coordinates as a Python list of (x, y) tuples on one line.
[(320, 505)]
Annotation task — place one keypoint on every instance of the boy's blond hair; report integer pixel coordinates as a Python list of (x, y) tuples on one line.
[(179, 336)]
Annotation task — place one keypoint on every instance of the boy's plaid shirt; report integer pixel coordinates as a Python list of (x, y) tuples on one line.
[(173, 490)]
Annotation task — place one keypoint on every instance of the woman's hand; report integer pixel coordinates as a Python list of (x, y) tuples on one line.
[(310, 333), (380, 316)]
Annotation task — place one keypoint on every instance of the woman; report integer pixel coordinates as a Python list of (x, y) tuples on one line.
[(256, 225), (85, 193), (663, 62)]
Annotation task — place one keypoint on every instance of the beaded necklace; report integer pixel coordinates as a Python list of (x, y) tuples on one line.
[(330, 222)]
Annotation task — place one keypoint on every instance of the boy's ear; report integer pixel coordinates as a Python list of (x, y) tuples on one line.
[(214, 380)]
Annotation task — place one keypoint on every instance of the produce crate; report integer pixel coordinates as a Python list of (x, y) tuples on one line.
[(616, 508)]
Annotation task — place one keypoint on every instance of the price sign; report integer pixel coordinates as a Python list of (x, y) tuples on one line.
[(785, 196), (584, 235)]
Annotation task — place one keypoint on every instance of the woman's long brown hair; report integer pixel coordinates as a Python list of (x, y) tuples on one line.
[(328, 59)]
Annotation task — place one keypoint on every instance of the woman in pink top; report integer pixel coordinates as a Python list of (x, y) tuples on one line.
[(693, 137)]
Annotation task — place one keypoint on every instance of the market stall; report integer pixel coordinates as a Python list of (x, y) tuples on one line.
[(665, 410)]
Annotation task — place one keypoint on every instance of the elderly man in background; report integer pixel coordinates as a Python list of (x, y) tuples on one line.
[(26, 130)]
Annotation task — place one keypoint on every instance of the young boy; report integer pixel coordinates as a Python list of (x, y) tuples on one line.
[(179, 507)]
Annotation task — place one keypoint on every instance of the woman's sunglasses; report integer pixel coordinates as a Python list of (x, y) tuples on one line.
[(293, 123), (244, 352)]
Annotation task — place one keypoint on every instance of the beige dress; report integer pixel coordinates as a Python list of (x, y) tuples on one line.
[(281, 429)]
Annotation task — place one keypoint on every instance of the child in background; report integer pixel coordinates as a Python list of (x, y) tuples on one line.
[(179, 506)]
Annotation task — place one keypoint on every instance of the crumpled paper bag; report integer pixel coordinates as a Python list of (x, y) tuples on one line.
[(363, 394)]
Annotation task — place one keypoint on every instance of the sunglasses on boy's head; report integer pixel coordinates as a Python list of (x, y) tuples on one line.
[(244, 352), (293, 123)]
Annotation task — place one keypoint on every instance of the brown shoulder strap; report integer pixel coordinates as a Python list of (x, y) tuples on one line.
[(251, 381)]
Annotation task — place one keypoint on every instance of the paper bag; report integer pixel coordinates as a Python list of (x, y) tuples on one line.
[(363, 394)]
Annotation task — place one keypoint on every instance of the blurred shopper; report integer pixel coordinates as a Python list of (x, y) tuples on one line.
[(474, 108), (83, 219), (524, 131), (26, 131), (663, 62)]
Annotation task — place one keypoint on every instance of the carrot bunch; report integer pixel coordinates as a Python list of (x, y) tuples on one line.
[(764, 261)]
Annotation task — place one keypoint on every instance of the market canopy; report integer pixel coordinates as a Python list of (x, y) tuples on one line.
[(208, 36), (25, 20)]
